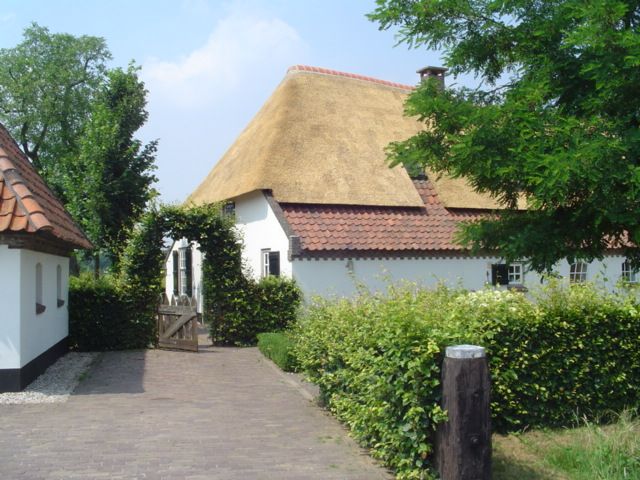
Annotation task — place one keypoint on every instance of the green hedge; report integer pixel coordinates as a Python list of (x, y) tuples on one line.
[(278, 347), (103, 316), (265, 306), (377, 360)]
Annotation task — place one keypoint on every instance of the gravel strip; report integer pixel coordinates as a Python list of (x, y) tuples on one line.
[(56, 383)]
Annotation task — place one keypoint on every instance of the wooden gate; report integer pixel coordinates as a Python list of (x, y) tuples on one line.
[(178, 327)]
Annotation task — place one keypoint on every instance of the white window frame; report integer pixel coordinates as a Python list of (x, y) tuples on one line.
[(578, 272), (629, 275), (515, 274), (265, 261)]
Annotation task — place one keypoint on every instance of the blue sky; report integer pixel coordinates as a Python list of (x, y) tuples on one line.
[(209, 65)]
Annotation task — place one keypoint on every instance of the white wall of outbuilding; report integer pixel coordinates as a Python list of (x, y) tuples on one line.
[(25, 334)]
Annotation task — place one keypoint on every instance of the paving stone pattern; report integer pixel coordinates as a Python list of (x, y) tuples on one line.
[(223, 413)]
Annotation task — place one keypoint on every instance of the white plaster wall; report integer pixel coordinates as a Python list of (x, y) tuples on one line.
[(341, 277), (40, 332), (260, 229), (9, 308)]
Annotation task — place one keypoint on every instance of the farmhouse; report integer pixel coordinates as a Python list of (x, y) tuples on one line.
[(36, 237), (316, 201)]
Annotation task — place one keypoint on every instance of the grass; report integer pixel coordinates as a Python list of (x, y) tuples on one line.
[(277, 347), (589, 452)]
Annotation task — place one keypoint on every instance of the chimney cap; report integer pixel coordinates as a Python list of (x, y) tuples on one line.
[(432, 70)]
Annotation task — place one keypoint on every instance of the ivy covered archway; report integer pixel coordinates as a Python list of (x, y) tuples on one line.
[(235, 307), (223, 281)]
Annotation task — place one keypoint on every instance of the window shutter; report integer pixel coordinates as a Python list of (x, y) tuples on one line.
[(274, 264), (500, 274), (176, 265), (189, 267)]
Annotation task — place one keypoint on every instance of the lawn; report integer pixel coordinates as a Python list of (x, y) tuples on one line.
[(589, 452)]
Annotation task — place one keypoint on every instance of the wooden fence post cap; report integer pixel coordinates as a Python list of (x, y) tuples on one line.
[(465, 351)]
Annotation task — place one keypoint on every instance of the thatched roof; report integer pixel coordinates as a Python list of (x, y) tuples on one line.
[(320, 138)]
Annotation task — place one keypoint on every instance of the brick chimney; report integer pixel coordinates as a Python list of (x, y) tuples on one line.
[(432, 72)]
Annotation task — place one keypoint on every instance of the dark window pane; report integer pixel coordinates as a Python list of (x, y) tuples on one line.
[(274, 264), (175, 273), (500, 274), (189, 267)]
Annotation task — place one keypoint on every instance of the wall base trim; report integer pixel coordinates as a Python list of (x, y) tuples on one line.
[(16, 379)]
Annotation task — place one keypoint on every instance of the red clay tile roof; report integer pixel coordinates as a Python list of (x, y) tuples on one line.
[(27, 205), (345, 229)]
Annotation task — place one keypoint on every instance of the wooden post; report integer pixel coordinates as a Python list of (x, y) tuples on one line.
[(463, 449)]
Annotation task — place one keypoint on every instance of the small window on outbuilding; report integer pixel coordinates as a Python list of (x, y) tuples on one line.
[(39, 303), (59, 286), (578, 272), (629, 274), (270, 263)]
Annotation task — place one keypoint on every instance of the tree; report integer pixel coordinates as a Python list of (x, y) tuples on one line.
[(76, 119), (47, 85), (115, 168), (554, 120)]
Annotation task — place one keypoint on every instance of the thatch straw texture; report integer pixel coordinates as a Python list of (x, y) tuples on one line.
[(320, 138)]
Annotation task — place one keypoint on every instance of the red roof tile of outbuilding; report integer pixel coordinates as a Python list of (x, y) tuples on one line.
[(358, 230), (27, 205)]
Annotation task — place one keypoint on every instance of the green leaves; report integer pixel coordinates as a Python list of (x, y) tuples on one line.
[(377, 360), (560, 130)]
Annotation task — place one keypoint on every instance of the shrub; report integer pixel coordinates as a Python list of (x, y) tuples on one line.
[(377, 360), (268, 305), (575, 351), (278, 347), (102, 316)]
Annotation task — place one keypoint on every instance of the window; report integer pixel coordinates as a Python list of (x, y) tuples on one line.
[(176, 277), (507, 274), (578, 272), (628, 273), (59, 286), (39, 303), (183, 272), (515, 274), (270, 263)]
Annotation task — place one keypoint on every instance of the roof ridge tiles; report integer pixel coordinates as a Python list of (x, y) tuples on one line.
[(25, 200), (355, 76)]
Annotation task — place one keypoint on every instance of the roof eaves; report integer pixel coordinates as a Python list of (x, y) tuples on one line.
[(34, 213)]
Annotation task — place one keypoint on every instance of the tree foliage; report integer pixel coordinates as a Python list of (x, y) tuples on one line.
[(554, 121), (76, 119), (47, 85), (115, 168)]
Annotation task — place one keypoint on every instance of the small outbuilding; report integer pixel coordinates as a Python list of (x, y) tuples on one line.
[(37, 236)]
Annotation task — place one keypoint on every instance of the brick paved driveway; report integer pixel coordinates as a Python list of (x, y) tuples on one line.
[(219, 414)]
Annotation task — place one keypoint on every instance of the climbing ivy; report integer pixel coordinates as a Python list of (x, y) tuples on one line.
[(236, 307), (142, 258)]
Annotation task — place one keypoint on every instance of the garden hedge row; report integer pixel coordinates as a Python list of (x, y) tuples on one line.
[(377, 360), (268, 305), (103, 315)]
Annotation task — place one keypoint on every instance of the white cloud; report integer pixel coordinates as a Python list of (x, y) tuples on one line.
[(236, 53), (7, 17)]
